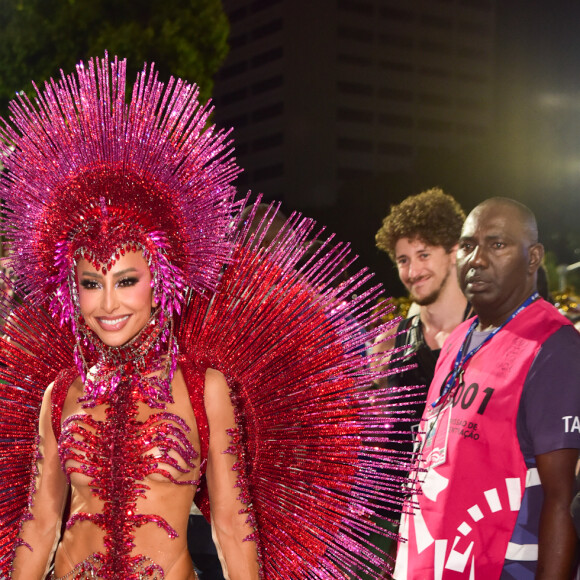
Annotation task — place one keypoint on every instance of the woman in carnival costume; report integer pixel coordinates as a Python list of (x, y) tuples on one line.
[(154, 354)]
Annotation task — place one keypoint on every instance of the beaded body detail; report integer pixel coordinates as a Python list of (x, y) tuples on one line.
[(92, 569), (118, 453)]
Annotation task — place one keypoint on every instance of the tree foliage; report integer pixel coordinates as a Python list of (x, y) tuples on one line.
[(38, 38)]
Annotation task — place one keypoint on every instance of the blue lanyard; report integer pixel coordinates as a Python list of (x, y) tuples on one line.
[(462, 357)]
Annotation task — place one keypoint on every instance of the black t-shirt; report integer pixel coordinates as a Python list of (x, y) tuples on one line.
[(416, 352)]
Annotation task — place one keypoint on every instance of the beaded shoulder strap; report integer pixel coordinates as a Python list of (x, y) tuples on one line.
[(194, 376), (194, 380), (62, 383)]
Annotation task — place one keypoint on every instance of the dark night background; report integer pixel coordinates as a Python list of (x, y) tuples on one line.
[(532, 153)]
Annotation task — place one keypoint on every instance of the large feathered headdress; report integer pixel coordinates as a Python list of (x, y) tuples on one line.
[(90, 175)]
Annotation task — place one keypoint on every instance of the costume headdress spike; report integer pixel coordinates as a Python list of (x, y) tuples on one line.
[(91, 176)]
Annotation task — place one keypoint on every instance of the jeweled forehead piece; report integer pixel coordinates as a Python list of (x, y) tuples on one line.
[(84, 168), (100, 229)]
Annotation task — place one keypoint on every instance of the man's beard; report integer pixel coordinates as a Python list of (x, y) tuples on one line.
[(433, 296)]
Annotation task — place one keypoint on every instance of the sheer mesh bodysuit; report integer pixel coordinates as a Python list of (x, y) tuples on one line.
[(133, 472)]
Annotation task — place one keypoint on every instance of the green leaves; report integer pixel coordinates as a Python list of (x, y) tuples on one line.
[(185, 38)]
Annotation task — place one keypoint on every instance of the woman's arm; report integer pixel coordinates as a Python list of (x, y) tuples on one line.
[(230, 526), (40, 533), (382, 345)]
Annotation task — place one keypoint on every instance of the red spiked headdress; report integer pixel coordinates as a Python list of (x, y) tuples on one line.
[(88, 175)]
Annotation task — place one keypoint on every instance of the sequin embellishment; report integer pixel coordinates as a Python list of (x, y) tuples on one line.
[(91, 569), (118, 454)]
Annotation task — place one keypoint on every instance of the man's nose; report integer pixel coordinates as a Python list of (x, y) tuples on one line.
[(414, 269), (478, 258)]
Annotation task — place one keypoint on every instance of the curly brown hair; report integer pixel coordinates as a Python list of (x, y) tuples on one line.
[(433, 216)]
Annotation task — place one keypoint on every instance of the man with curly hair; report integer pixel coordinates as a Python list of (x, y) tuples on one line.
[(420, 234)]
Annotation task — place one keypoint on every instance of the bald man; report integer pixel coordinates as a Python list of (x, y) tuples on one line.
[(499, 440)]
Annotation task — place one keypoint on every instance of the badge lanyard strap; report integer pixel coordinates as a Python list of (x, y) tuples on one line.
[(462, 358)]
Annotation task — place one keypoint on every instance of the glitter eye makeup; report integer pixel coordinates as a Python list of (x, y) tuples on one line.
[(127, 282), (89, 284)]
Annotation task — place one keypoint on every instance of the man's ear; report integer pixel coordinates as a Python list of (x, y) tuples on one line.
[(535, 257), (453, 254)]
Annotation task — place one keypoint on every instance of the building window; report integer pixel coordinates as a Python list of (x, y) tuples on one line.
[(356, 34), (269, 112), (435, 100), (468, 104), (425, 152), (237, 15), (267, 29), (241, 148), (473, 53), (362, 8), (398, 95), (354, 115), (439, 22), (478, 4), (259, 5), (352, 174), (238, 41), (435, 72), (396, 41), (243, 179), (402, 67), (234, 97), (435, 125), (471, 129), (269, 172), (267, 85), (267, 57), (233, 70), (480, 28), (398, 121), (398, 149), (472, 77), (268, 142), (355, 60), (357, 145), (435, 47), (360, 89), (236, 122), (396, 14)]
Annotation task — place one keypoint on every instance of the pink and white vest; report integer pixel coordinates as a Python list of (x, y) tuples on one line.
[(475, 472)]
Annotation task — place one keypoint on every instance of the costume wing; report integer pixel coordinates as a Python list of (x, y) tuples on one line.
[(33, 349), (313, 441)]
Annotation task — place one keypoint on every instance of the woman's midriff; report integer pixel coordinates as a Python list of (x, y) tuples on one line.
[(163, 541)]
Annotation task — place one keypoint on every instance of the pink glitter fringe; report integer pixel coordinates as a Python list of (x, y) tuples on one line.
[(312, 440), (315, 440)]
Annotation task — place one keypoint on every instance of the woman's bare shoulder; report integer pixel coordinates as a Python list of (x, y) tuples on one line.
[(214, 377), (216, 392), (76, 387)]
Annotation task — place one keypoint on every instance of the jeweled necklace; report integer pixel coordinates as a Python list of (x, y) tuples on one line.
[(148, 362)]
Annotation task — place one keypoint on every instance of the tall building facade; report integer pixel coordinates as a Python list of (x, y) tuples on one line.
[(320, 92)]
